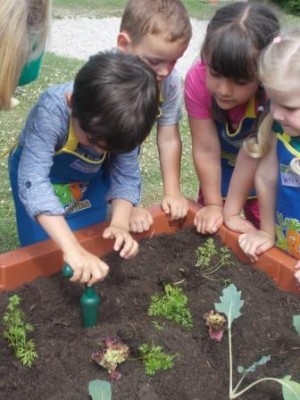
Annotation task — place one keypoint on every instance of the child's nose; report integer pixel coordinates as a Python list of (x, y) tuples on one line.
[(225, 87), (165, 70), (277, 112)]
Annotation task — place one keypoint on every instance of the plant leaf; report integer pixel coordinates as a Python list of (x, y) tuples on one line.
[(290, 389), (296, 323), (252, 368), (100, 390), (231, 303)]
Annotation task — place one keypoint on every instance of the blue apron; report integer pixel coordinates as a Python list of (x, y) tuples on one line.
[(231, 144), (80, 181), (287, 196)]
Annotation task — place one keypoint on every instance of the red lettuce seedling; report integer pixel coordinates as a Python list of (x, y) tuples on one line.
[(215, 323), (230, 305), (111, 353)]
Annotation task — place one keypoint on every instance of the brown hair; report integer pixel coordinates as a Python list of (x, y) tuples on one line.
[(167, 17)]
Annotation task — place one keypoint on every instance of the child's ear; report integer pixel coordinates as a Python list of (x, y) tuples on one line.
[(68, 97), (123, 41)]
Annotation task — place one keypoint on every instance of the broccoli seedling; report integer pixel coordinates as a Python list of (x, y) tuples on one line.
[(15, 332), (99, 390), (230, 305)]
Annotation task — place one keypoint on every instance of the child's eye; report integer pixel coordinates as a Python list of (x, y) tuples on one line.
[(214, 73), (154, 63), (291, 109), (241, 82)]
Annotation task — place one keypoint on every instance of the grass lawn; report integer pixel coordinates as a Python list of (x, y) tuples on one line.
[(56, 70)]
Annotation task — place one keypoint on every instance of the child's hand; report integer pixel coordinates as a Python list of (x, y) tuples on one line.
[(255, 243), (175, 206), (208, 219), (239, 224), (140, 220), (124, 242), (297, 273), (87, 267)]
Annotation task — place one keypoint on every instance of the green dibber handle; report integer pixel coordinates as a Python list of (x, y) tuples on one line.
[(89, 301)]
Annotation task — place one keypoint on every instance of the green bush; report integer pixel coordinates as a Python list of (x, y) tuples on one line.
[(291, 6)]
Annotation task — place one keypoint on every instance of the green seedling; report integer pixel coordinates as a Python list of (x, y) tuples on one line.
[(172, 306), (230, 305), (154, 359), (296, 323), (15, 332), (205, 258), (112, 353), (159, 327), (100, 390)]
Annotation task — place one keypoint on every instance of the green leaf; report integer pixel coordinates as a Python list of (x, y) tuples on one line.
[(290, 389), (252, 368), (296, 323), (100, 390), (231, 303)]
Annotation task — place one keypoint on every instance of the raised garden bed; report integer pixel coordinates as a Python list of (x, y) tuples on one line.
[(63, 369)]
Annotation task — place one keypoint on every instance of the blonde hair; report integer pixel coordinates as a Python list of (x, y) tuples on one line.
[(24, 25), (279, 70), (167, 17), (279, 64)]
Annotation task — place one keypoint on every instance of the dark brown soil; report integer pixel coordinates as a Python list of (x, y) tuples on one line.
[(63, 369)]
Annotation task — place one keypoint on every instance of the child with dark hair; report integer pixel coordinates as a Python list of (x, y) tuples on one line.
[(77, 151), (224, 100)]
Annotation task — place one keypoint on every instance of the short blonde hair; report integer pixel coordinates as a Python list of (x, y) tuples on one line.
[(24, 26), (167, 17), (279, 70), (279, 64)]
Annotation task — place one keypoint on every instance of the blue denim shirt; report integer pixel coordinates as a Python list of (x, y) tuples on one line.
[(44, 133)]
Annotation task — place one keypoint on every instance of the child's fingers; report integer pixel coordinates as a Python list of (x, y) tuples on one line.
[(130, 249)]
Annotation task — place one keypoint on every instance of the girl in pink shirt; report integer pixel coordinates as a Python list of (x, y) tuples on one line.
[(224, 101)]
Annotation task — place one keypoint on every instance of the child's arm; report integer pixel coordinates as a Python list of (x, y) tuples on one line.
[(170, 148), (86, 266), (256, 242), (241, 183), (207, 156), (119, 229), (297, 272)]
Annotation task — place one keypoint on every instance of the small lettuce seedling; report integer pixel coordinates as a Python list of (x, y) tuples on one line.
[(172, 306), (112, 353), (215, 323), (155, 359), (230, 305), (100, 390)]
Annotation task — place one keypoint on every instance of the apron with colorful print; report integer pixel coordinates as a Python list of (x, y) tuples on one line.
[(288, 196)]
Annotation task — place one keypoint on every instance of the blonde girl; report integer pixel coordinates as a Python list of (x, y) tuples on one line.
[(278, 175), (24, 25)]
